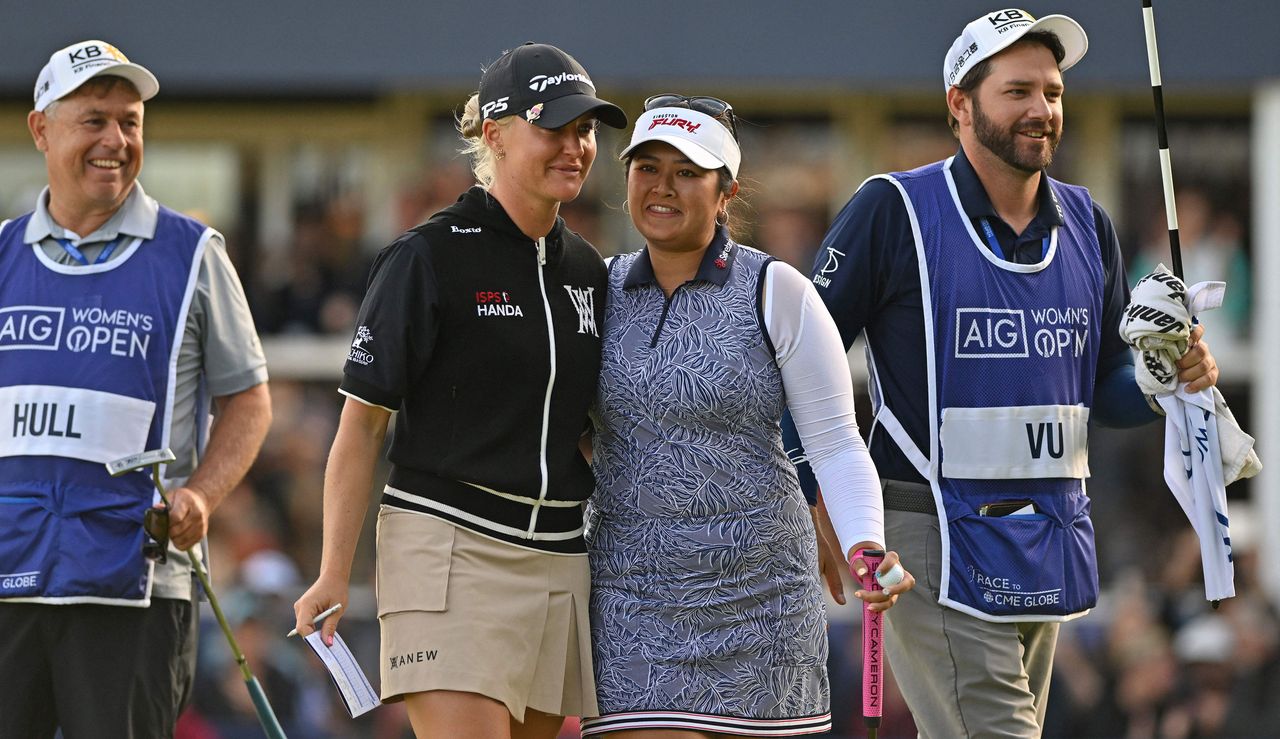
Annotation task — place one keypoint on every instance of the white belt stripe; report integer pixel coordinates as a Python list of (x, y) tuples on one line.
[(483, 522), (526, 500)]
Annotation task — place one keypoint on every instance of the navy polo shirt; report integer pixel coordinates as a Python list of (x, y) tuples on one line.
[(714, 268), (868, 276)]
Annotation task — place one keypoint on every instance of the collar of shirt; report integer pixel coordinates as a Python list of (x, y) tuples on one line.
[(717, 260), (977, 205), (137, 216), (481, 207)]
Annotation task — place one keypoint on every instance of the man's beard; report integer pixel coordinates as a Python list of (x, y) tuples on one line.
[(1004, 143)]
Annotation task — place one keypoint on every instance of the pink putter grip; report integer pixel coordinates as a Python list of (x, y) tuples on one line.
[(872, 643)]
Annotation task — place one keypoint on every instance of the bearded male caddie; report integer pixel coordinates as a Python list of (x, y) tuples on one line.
[(991, 296)]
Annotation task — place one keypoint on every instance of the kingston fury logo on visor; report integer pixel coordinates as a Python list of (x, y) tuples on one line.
[(673, 119)]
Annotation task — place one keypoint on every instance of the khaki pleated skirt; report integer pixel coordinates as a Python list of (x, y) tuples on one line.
[(460, 611)]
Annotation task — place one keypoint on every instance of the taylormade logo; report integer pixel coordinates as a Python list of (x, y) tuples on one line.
[(540, 82)]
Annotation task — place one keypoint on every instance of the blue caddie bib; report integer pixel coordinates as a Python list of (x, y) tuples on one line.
[(1012, 353), (88, 358)]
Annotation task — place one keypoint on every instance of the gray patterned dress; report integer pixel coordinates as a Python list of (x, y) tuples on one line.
[(706, 608)]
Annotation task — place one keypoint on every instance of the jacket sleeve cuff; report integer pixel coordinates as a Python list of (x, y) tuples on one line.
[(368, 394)]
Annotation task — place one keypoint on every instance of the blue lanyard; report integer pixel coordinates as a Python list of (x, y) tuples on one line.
[(995, 244), (77, 255)]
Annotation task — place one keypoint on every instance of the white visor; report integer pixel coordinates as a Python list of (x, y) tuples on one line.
[(698, 136)]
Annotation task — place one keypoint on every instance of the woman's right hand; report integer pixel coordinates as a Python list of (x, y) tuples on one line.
[(880, 598), (322, 595), (348, 480)]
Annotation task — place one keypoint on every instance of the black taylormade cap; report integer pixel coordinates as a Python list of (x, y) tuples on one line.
[(546, 86)]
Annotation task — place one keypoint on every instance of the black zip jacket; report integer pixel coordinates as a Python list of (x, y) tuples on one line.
[(488, 345)]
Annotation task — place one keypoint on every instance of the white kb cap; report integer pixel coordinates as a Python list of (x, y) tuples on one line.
[(73, 66), (994, 32), (698, 136)]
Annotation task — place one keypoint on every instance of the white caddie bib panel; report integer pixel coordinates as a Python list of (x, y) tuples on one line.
[(78, 423), (1030, 441)]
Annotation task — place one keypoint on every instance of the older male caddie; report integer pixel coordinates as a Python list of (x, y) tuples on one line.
[(121, 323)]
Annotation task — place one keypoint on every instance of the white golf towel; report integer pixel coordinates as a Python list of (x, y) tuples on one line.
[(1193, 471), (1204, 448)]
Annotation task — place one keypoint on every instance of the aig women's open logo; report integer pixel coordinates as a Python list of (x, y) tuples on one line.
[(1057, 332), (30, 327), (115, 331), (991, 333)]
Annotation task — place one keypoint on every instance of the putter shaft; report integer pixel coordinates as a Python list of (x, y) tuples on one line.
[(872, 646), (266, 716)]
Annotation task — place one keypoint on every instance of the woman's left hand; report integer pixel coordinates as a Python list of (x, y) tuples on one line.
[(831, 566), (880, 599)]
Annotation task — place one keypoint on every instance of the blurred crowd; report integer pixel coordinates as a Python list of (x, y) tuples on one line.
[(1152, 660)]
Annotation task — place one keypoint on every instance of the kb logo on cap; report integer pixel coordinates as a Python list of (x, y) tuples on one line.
[(540, 82), (1005, 17), (94, 52)]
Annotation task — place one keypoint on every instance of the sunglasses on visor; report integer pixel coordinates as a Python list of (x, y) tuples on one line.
[(714, 107), (156, 523)]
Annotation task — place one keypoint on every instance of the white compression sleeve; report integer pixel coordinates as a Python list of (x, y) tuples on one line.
[(819, 389)]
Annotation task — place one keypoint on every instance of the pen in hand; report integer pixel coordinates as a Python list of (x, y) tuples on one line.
[(318, 619)]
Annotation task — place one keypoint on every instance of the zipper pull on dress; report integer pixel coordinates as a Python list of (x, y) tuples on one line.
[(542, 251)]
